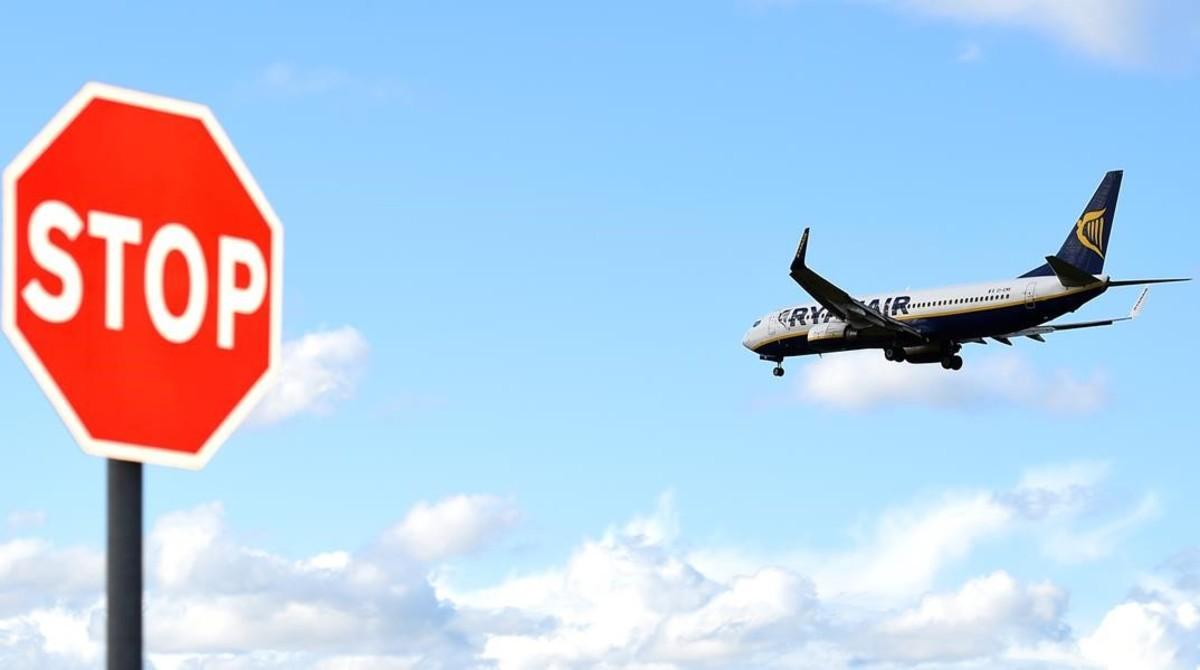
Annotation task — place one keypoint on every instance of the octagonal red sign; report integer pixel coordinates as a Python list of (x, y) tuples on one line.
[(142, 276)]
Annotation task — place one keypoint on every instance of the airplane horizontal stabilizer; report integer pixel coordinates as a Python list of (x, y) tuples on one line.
[(1140, 282), (1036, 332)]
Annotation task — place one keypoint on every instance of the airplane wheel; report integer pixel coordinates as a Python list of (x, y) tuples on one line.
[(894, 354), (956, 363), (778, 371), (948, 362)]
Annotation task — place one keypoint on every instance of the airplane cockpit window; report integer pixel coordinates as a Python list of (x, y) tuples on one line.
[(756, 323)]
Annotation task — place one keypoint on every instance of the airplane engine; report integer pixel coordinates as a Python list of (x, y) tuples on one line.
[(929, 353), (926, 353), (830, 334)]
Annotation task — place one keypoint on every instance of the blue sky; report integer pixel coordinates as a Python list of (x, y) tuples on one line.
[(523, 244)]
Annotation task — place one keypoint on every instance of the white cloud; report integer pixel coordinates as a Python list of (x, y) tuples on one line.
[(982, 618), (317, 370), (1109, 29), (215, 602), (911, 546), (25, 519), (49, 604), (452, 526), (32, 570), (1162, 33), (901, 555), (632, 601), (1157, 627), (1078, 546), (290, 80), (1133, 636), (638, 597), (635, 599), (863, 380), (56, 637), (970, 53)]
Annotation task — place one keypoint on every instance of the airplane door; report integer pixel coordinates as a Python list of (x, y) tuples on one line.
[(1030, 294), (772, 325)]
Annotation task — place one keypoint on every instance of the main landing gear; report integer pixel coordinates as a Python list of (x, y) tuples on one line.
[(952, 362), (895, 354)]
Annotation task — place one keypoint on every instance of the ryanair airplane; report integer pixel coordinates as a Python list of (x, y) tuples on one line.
[(931, 326)]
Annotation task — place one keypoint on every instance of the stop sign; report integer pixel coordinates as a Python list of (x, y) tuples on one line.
[(142, 276)]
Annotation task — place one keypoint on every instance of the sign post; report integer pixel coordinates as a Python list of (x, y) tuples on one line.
[(124, 569), (142, 287)]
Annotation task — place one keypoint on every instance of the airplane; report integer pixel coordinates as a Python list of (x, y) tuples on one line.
[(930, 326)]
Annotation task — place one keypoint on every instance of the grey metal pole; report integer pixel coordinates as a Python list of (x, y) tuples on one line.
[(124, 565)]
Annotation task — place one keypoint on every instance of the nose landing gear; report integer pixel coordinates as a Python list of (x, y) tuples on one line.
[(778, 361)]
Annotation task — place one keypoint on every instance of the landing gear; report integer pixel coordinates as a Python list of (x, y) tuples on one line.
[(777, 360), (894, 354), (952, 362)]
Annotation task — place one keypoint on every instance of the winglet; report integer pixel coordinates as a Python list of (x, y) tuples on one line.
[(1139, 304), (798, 261)]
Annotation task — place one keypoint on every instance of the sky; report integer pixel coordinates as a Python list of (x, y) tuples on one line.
[(515, 426)]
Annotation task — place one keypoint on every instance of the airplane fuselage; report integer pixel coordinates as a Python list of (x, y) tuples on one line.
[(942, 315), (932, 325)]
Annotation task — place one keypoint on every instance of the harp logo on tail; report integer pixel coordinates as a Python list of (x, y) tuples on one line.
[(1090, 230)]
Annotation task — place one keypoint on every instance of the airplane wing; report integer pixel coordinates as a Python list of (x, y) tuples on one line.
[(838, 302), (1036, 332)]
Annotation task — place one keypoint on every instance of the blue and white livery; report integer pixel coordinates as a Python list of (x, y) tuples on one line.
[(930, 326)]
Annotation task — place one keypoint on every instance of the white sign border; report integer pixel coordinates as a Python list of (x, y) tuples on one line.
[(8, 323)]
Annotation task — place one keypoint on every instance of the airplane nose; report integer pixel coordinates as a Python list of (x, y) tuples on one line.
[(748, 339)]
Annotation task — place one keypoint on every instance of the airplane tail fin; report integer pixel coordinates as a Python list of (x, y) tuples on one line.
[(1087, 243)]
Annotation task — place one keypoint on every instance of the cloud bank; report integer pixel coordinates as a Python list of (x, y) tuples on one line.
[(1155, 33), (863, 380), (636, 597)]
